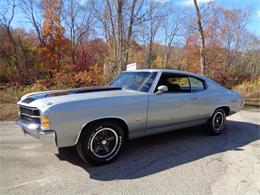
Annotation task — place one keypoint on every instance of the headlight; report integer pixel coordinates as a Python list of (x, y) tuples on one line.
[(45, 123)]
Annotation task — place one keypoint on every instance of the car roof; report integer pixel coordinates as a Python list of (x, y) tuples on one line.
[(168, 71)]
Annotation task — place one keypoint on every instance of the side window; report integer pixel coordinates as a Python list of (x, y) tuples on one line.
[(175, 83), (196, 84)]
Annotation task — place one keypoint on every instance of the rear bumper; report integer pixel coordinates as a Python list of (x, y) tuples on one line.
[(47, 137)]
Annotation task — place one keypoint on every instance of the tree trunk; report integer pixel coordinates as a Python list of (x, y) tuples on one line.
[(114, 41), (129, 33), (202, 38), (121, 66)]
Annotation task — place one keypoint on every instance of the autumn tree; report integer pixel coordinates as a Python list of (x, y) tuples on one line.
[(120, 20), (6, 18), (33, 12), (91, 53), (79, 20), (150, 28), (251, 59), (233, 35), (55, 45), (171, 27), (15, 45)]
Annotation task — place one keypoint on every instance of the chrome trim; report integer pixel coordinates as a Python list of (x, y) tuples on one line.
[(156, 80), (31, 108), (47, 137), (31, 116)]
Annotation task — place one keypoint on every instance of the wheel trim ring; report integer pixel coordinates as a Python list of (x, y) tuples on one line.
[(222, 120), (115, 145)]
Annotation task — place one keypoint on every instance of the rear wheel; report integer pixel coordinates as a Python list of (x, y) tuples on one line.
[(101, 143), (217, 123)]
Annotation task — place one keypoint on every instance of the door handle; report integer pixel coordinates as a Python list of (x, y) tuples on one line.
[(194, 98)]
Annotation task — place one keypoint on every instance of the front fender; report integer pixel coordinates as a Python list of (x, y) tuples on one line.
[(69, 119)]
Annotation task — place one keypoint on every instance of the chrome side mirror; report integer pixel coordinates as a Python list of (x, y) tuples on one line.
[(161, 89)]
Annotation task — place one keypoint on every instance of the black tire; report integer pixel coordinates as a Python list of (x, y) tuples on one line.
[(101, 143), (216, 125)]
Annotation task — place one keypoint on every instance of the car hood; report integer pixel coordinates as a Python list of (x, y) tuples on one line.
[(46, 99)]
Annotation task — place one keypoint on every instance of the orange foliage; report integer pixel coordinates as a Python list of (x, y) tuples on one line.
[(190, 59), (62, 80), (92, 77), (54, 46)]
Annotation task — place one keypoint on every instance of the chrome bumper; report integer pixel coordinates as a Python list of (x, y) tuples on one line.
[(47, 137)]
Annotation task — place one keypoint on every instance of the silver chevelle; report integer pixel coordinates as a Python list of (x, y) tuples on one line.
[(98, 121)]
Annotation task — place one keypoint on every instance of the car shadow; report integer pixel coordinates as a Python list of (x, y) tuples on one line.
[(152, 154)]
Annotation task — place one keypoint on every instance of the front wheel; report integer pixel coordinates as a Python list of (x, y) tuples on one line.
[(101, 143), (217, 123)]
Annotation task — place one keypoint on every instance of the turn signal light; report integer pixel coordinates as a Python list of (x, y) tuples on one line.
[(45, 126), (44, 119), (45, 123)]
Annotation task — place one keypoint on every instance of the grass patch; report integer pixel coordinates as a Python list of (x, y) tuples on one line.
[(8, 98), (252, 102), (8, 111), (251, 92)]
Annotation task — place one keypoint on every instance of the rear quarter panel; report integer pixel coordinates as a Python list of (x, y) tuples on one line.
[(216, 96)]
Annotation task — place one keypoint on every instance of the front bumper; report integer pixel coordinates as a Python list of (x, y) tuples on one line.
[(47, 137)]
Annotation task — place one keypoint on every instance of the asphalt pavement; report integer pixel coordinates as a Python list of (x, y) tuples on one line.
[(187, 161)]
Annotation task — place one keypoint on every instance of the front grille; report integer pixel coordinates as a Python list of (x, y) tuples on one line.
[(31, 115), (30, 111)]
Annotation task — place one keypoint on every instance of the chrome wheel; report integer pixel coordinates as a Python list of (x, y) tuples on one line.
[(104, 142), (218, 121)]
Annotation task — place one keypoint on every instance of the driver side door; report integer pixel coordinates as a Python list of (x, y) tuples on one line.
[(176, 108)]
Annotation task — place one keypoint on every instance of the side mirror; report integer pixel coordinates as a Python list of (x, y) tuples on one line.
[(161, 89)]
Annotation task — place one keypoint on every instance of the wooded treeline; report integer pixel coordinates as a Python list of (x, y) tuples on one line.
[(77, 43)]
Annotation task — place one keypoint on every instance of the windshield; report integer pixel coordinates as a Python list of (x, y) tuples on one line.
[(137, 81)]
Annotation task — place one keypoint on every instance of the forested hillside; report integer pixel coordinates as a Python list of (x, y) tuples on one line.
[(49, 44)]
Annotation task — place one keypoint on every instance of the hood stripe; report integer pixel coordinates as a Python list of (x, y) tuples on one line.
[(68, 92)]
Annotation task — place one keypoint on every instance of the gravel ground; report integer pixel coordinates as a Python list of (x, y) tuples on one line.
[(181, 162)]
